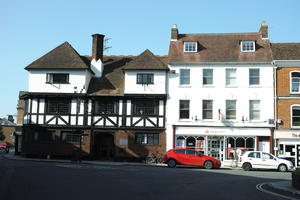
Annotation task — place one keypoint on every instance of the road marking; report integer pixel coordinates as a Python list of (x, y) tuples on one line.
[(260, 188)]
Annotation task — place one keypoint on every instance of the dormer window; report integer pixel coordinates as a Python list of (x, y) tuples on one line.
[(190, 46), (57, 78), (247, 46)]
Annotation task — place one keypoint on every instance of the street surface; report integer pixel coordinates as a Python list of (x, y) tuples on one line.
[(27, 180)]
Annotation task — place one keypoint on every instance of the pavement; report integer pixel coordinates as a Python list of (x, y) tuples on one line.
[(281, 188)]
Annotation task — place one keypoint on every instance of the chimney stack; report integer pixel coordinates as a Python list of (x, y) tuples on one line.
[(174, 32), (98, 43), (264, 30)]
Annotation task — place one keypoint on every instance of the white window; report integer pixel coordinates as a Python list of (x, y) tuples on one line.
[(295, 82), (184, 76), (296, 116), (230, 77), (230, 109), (247, 46), (254, 109), (190, 46), (254, 77), (208, 77)]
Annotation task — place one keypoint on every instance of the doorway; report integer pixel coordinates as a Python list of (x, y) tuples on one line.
[(104, 147)]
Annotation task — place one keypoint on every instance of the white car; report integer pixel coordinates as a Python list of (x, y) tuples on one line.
[(262, 160)]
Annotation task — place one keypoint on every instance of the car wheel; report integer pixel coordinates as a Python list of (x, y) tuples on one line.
[(282, 168), (208, 165), (247, 166), (171, 163)]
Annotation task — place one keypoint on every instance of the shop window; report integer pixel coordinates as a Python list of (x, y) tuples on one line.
[(70, 137), (289, 150), (240, 142), (190, 142), (180, 142), (250, 143)]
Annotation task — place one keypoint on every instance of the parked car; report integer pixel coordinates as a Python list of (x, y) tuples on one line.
[(184, 156), (262, 160), (3, 146)]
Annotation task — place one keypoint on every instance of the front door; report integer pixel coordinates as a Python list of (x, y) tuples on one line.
[(104, 147), (298, 156)]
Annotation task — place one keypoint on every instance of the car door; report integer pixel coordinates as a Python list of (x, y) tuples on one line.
[(268, 161), (255, 159), (192, 157), (181, 156)]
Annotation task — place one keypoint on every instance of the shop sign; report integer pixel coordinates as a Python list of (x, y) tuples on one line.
[(296, 135)]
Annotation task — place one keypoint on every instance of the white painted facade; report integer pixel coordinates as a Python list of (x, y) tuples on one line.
[(219, 92), (158, 86), (77, 79)]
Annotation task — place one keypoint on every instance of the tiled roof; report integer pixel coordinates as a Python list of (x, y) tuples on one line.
[(220, 48), (146, 61), (62, 57), (112, 80), (286, 51)]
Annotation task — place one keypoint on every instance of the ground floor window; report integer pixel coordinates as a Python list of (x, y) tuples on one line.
[(147, 138), (71, 137), (44, 136)]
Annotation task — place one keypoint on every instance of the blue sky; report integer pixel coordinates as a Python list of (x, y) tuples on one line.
[(31, 28)]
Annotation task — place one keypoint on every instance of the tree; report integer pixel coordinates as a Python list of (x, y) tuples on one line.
[(2, 136)]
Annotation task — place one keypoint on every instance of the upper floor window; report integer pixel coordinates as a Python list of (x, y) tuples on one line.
[(57, 78), (247, 46), (208, 77), (207, 109), (145, 107), (190, 46), (296, 116), (58, 106), (295, 82), (254, 77), (230, 77), (184, 109), (184, 76), (145, 78), (230, 109), (254, 109), (106, 106)]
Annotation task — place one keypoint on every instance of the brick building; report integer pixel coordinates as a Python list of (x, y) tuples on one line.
[(287, 78)]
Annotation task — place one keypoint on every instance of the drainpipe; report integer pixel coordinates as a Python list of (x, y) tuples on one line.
[(174, 133), (275, 105)]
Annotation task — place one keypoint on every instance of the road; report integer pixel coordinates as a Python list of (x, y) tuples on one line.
[(29, 180)]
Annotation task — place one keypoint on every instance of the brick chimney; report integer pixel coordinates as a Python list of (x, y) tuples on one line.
[(97, 51), (174, 32), (264, 30)]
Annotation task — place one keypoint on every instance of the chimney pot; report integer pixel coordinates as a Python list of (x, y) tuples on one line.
[(174, 32), (97, 46), (264, 30)]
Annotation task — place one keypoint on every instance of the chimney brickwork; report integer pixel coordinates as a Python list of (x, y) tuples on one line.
[(174, 32), (98, 46), (264, 30)]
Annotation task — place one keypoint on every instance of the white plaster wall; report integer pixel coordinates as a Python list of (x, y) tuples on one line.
[(159, 86), (219, 93), (37, 81)]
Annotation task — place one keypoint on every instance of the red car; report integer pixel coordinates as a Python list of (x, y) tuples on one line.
[(185, 156)]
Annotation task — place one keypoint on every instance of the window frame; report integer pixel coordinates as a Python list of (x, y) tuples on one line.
[(180, 110), (140, 138), (184, 77), (73, 135), (292, 116), (207, 110), (226, 110), (291, 82), (253, 110), (245, 42), (50, 78), (188, 45), (227, 83), (106, 103), (145, 107), (252, 84), (212, 77), (146, 78), (58, 101)]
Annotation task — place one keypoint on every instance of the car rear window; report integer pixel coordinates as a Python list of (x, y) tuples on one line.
[(254, 155), (180, 151)]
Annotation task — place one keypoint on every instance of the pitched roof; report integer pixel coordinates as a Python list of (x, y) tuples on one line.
[(62, 57), (224, 47), (112, 80), (286, 51), (146, 61)]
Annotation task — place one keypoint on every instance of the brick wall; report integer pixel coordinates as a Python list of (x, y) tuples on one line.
[(283, 80), (8, 133)]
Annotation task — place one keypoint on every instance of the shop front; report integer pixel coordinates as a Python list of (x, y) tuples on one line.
[(287, 145), (223, 143)]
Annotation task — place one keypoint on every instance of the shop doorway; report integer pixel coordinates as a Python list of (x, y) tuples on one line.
[(104, 147), (215, 147)]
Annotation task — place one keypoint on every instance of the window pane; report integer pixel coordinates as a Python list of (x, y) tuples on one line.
[(296, 116), (230, 109), (254, 109), (58, 106), (295, 82), (207, 76), (147, 138), (184, 76), (145, 78), (184, 109), (230, 76), (207, 109), (190, 47), (254, 76), (145, 107)]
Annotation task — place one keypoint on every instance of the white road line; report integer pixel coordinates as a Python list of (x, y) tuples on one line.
[(259, 187)]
